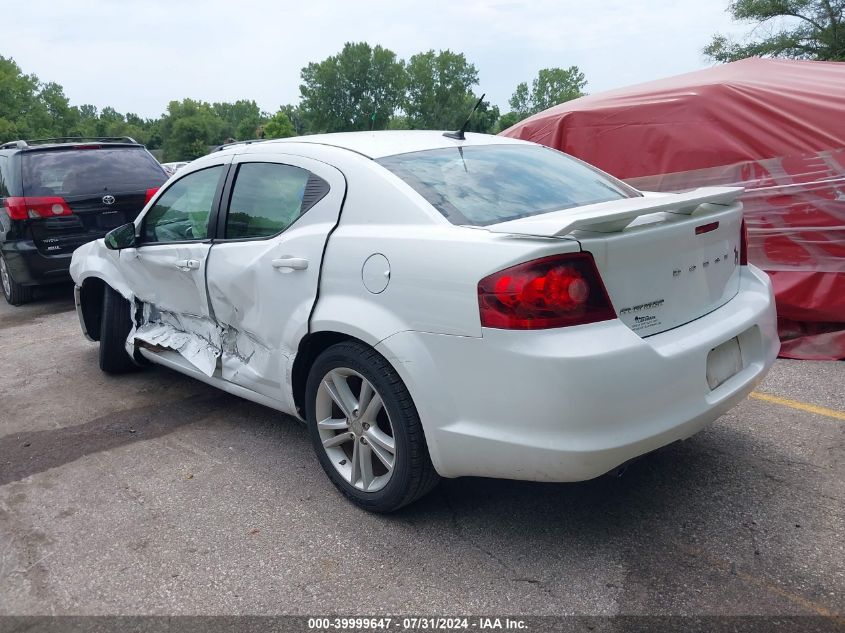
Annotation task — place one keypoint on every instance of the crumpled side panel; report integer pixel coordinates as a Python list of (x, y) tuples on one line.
[(795, 214), (197, 339), (246, 361)]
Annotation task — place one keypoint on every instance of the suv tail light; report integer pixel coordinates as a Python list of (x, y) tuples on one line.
[(151, 193), (556, 291), (743, 245), (22, 208)]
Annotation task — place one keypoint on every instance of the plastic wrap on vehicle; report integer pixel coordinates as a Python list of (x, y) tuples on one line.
[(795, 213), (774, 127)]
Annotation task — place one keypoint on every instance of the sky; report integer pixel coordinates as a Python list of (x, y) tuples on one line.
[(136, 56)]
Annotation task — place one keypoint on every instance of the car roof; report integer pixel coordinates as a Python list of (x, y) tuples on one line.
[(389, 142)]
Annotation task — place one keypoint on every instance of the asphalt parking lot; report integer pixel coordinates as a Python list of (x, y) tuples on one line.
[(155, 494)]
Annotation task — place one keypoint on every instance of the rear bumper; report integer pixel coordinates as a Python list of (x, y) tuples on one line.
[(573, 403), (30, 267)]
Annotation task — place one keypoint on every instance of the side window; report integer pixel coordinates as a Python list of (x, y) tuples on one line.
[(182, 212), (268, 197)]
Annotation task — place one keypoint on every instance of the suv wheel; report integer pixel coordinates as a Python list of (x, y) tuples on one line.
[(366, 430), (15, 293), (115, 324)]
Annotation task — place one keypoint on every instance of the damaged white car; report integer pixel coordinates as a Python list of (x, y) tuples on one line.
[(438, 306)]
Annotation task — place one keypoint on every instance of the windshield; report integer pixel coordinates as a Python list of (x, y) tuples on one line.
[(486, 184), (75, 172)]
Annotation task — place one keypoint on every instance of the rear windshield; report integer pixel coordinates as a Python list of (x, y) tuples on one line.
[(75, 172), (486, 184)]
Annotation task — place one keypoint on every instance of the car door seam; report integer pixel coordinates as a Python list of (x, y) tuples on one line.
[(325, 246)]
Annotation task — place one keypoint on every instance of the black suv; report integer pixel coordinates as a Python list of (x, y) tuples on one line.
[(56, 194)]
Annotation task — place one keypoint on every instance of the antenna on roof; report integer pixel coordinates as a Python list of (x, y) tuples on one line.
[(459, 135)]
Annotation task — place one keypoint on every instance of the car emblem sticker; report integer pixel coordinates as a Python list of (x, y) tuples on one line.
[(108, 199)]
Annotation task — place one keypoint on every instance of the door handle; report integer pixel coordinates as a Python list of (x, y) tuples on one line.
[(294, 263), (190, 264)]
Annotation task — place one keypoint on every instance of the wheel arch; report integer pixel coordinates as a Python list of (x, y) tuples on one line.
[(310, 347), (89, 303)]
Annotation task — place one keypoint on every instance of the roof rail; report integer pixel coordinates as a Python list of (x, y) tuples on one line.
[(13, 145), (75, 139), (233, 143)]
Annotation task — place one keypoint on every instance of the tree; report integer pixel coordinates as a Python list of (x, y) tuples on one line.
[(507, 120), (798, 29), (439, 85), (483, 119), (279, 126), (65, 119), (360, 88), (240, 119), (297, 118), (520, 102), (189, 128), (22, 113), (551, 87)]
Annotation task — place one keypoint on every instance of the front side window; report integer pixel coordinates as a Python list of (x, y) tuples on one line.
[(268, 197), (182, 212), (485, 184)]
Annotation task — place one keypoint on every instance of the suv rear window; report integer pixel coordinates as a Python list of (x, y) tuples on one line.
[(74, 172), (485, 184)]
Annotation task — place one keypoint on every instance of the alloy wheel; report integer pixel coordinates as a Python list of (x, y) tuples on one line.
[(355, 429)]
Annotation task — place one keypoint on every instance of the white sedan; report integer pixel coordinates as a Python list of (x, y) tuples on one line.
[(435, 306)]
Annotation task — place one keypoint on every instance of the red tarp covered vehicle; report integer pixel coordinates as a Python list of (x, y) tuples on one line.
[(775, 127)]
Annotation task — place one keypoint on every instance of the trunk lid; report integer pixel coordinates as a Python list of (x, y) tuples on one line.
[(665, 259)]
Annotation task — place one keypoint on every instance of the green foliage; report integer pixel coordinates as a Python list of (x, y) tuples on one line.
[(520, 101), (797, 29), (483, 120), (360, 88), (279, 126), (507, 120), (439, 85), (551, 87), (241, 119), (22, 112), (189, 128)]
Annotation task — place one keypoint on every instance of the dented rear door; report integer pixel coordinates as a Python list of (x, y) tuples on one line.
[(264, 266)]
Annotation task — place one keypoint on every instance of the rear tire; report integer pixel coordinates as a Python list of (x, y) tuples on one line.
[(15, 293), (384, 423), (115, 324)]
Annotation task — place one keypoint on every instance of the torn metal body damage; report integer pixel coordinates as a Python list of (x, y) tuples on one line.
[(236, 356), (198, 339)]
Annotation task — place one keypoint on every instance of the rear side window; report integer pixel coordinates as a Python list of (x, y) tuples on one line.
[(181, 213), (268, 197), (480, 185), (76, 172)]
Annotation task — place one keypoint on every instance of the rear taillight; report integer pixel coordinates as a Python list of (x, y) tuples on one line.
[(743, 245), (150, 194), (22, 208), (555, 291)]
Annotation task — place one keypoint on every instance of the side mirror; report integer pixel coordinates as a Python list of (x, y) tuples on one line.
[(121, 237)]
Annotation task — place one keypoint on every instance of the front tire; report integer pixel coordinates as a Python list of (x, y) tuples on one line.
[(15, 293), (366, 430), (115, 324)]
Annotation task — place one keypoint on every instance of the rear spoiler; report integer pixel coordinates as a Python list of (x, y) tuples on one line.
[(615, 215)]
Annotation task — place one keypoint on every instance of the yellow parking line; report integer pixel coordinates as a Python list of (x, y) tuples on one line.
[(801, 406)]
